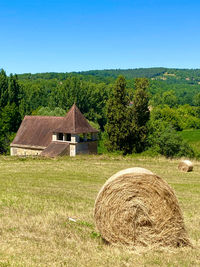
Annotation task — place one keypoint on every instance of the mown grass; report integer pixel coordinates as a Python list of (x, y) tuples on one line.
[(38, 196)]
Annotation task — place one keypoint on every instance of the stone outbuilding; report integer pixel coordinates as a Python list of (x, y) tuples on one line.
[(55, 136)]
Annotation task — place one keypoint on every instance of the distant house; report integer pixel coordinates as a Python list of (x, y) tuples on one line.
[(55, 136)]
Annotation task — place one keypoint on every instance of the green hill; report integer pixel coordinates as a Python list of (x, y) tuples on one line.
[(166, 74), (184, 82)]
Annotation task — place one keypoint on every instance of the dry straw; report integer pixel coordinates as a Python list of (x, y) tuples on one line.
[(137, 208), (185, 165)]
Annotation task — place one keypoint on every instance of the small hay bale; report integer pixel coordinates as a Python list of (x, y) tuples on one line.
[(185, 165), (137, 208)]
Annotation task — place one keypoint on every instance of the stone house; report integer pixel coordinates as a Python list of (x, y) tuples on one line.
[(55, 136)]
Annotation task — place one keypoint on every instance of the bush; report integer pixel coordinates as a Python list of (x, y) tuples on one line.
[(170, 144), (165, 140), (46, 111), (168, 115)]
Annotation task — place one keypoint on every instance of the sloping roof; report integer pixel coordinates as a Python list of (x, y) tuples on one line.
[(37, 130), (55, 149), (75, 123)]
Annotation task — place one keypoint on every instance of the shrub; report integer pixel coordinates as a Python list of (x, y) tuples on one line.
[(168, 115), (165, 140)]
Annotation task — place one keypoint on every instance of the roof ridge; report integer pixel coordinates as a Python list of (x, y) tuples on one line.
[(75, 108)]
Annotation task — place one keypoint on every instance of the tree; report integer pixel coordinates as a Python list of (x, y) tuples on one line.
[(14, 90), (167, 114), (139, 114), (170, 99), (9, 109), (46, 111), (117, 126), (166, 141), (9, 123), (196, 100), (3, 89)]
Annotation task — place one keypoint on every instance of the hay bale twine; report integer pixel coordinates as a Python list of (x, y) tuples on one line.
[(185, 165), (137, 208)]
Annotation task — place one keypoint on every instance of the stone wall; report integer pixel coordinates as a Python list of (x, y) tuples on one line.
[(89, 147), (19, 151)]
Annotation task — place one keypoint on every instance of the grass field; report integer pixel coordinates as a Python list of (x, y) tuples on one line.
[(37, 196), (192, 137)]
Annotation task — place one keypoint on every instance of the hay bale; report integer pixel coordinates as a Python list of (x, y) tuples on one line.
[(185, 165), (137, 208)]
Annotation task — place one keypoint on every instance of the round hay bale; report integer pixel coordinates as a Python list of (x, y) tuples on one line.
[(137, 208), (185, 165)]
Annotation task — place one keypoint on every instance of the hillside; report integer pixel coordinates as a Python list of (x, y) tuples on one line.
[(191, 76), (184, 82)]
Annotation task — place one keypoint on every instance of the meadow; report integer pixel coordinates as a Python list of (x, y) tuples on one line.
[(38, 196), (192, 137)]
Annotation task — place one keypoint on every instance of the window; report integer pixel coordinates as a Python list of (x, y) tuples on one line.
[(60, 136), (68, 137)]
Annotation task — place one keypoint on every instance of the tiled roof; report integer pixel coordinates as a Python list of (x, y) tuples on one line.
[(37, 130), (76, 123), (56, 149)]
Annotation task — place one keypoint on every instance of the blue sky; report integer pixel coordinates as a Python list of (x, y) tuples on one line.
[(77, 35)]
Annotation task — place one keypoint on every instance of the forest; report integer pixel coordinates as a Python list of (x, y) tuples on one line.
[(173, 98)]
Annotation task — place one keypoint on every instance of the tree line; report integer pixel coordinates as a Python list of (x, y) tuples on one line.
[(53, 94)]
